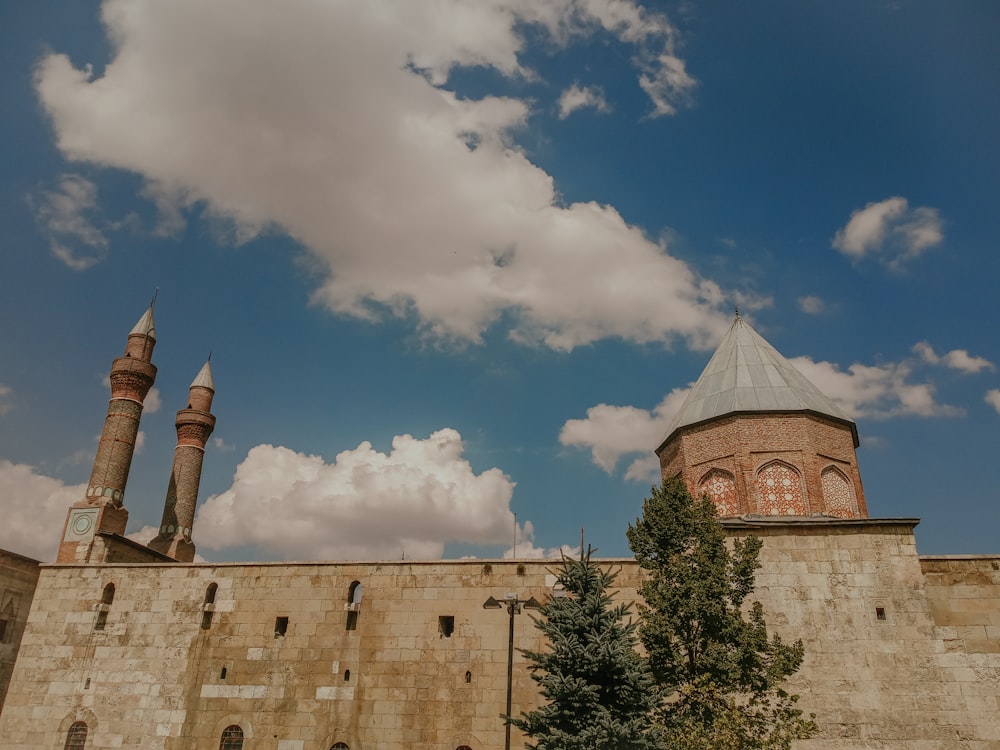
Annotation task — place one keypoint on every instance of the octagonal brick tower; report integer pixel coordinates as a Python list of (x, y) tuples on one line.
[(760, 439)]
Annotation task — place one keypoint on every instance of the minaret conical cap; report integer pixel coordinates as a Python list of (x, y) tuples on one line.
[(747, 374), (204, 377), (145, 326)]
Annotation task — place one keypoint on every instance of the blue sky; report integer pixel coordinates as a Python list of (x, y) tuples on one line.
[(455, 263)]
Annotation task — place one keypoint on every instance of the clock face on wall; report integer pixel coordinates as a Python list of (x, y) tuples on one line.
[(81, 525)]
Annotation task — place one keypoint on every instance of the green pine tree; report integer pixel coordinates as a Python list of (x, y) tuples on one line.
[(599, 692), (711, 656)]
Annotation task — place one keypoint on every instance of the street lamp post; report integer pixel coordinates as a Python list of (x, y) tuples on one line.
[(513, 604)]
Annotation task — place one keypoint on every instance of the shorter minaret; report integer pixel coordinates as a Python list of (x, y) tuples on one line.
[(103, 509), (194, 426)]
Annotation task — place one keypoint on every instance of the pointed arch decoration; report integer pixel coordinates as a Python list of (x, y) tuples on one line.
[(838, 494), (780, 491), (720, 486)]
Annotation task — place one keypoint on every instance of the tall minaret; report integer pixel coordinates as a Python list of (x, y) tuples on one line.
[(194, 426), (103, 509)]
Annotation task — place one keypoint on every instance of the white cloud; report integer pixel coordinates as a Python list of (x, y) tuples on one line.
[(956, 359), (875, 391), (526, 549), (140, 442), (334, 123), (581, 97), (992, 398), (811, 305), (611, 432), (152, 403), (34, 509), (222, 445), (67, 215), (5, 393), (891, 230), (365, 505)]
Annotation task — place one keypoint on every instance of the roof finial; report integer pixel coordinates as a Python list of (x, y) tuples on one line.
[(152, 302), (209, 355), (737, 311)]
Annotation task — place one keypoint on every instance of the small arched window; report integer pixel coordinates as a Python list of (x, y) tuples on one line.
[(339, 746), (468, 677), (353, 606), (108, 596), (210, 593), (76, 737), (232, 738), (347, 675), (463, 747)]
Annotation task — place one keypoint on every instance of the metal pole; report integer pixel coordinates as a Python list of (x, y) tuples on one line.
[(511, 606)]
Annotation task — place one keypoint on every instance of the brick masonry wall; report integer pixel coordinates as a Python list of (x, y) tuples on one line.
[(807, 442), (156, 676)]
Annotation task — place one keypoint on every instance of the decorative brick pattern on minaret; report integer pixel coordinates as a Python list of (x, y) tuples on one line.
[(103, 508), (194, 426)]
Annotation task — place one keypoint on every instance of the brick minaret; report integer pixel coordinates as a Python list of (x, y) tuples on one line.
[(194, 426), (103, 509)]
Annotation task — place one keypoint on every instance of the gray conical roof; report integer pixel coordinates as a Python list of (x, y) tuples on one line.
[(204, 377), (747, 374), (145, 325)]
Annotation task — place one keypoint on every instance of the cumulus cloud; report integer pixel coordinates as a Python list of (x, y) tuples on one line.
[(34, 509), (365, 505), (525, 548), (811, 305), (68, 216), (152, 403), (611, 432), (581, 97), (992, 398), (875, 391), (5, 393), (415, 200), (891, 231), (956, 359)]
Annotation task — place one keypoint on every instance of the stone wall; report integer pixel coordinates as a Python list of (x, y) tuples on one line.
[(18, 578), (964, 594), (172, 670)]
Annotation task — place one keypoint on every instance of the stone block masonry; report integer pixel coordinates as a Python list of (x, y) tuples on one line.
[(281, 651)]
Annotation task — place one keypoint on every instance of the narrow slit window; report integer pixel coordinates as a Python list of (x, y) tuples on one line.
[(880, 614), (468, 677), (102, 620), (347, 675), (222, 673), (280, 627)]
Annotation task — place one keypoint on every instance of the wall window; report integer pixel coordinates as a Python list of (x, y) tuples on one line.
[(232, 738), (354, 593), (208, 608), (446, 625), (339, 746), (720, 487), (779, 488), (76, 737), (838, 494), (280, 627), (107, 598)]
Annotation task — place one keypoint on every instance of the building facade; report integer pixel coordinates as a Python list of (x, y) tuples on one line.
[(132, 646)]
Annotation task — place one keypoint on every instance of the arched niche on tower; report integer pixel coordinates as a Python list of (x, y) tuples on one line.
[(720, 486), (838, 494), (780, 491)]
